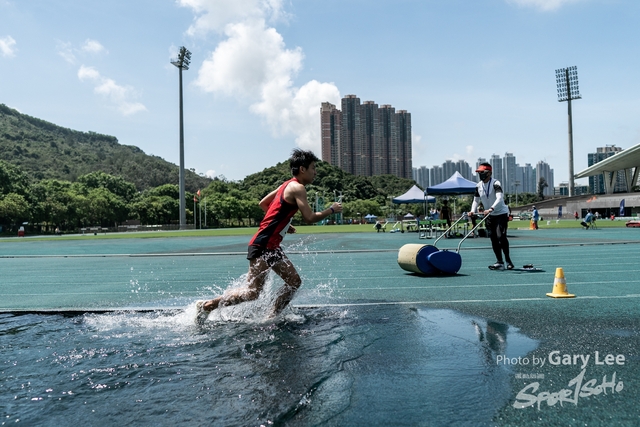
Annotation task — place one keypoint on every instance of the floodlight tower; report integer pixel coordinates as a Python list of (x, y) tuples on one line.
[(184, 58), (567, 84)]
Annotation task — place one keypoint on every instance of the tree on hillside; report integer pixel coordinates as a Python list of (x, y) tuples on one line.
[(104, 208), (13, 179), (47, 151), (156, 209), (53, 203), (390, 185), (115, 184)]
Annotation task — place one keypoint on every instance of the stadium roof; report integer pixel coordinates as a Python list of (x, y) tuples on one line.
[(627, 161)]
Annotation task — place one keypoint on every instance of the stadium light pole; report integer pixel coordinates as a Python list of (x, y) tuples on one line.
[(567, 85), (184, 58)]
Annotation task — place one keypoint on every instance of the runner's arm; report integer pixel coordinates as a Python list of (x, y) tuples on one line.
[(266, 201), (300, 195)]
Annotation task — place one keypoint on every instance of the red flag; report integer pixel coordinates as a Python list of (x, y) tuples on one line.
[(194, 199), (198, 193)]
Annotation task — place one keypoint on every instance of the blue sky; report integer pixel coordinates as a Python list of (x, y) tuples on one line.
[(478, 76)]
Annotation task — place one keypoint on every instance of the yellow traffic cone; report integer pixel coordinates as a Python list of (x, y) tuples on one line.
[(560, 286), (531, 227)]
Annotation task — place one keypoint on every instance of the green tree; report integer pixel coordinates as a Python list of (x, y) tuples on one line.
[(13, 179), (362, 207), (154, 209), (114, 184), (14, 209), (104, 208), (53, 203), (542, 184), (168, 190)]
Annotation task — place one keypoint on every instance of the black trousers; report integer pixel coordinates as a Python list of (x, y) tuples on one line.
[(497, 226)]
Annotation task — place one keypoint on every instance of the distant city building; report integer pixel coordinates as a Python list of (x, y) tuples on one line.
[(436, 175), (563, 189), (496, 166), (465, 170), (596, 182), (421, 176), (331, 123), (527, 178), (364, 139), (509, 172), (426, 177), (515, 179)]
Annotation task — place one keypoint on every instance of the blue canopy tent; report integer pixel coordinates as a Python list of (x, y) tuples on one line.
[(370, 218), (415, 195), (457, 184)]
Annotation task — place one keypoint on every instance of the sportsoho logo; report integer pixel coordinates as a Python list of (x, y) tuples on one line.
[(578, 387)]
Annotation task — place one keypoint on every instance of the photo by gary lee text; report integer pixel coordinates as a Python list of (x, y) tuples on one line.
[(556, 358)]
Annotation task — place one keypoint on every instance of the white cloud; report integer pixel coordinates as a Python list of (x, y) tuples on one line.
[(88, 73), (544, 5), (252, 57), (253, 62), (120, 96), (92, 46), (66, 52), (70, 53), (210, 173), (7, 46), (468, 157), (215, 15)]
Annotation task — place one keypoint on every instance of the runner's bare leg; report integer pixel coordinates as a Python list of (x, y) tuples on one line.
[(292, 282), (258, 271)]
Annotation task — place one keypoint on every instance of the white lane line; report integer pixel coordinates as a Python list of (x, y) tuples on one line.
[(441, 285), (356, 304)]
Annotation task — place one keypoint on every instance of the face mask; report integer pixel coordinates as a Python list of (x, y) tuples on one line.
[(483, 175)]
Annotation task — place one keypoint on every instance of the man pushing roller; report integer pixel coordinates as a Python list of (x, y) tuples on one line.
[(264, 251), (489, 193)]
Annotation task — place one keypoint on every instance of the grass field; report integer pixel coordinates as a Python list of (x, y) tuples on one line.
[(301, 229)]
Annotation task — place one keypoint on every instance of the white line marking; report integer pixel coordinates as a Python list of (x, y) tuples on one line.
[(356, 304)]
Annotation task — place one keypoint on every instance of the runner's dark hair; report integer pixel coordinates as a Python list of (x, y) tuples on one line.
[(301, 158)]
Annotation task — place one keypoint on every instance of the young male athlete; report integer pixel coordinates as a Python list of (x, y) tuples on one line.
[(264, 252), (489, 193)]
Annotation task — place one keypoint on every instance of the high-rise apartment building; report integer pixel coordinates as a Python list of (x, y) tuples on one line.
[(364, 139), (331, 122), (465, 170), (509, 173), (525, 179), (496, 166), (421, 176), (436, 175)]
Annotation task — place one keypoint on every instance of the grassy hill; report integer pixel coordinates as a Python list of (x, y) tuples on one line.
[(44, 150)]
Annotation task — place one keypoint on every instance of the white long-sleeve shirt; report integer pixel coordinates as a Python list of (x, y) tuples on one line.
[(491, 196)]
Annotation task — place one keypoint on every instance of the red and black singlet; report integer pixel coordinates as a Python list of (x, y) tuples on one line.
[(276, 221)]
